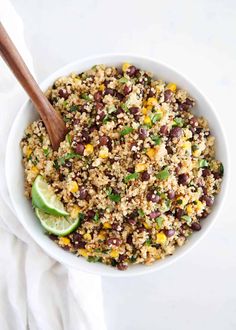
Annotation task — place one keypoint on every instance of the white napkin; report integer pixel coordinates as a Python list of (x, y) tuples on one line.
[(36, 292)]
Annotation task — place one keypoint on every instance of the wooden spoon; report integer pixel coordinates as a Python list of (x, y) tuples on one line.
[(54, 123)]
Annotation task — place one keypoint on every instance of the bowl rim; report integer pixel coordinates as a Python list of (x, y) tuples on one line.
[(143, 269)]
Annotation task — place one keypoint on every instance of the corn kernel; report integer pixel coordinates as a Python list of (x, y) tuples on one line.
[(114, 254), (161, 238), (28, 152), (83, 252), (64, 241), (146, 225), (196, 153), (102, 235), (73, 186), (34, 169), (106, 225), (199, 205), (151, 152), (147, 120), (140, 167), (104, 152), (149, 108), (151, 101), (189, 209), (102, 87), (74, 212), (89, 149), (172, 87), (187, 146), (87, 236), (144, 111), (125, 67)]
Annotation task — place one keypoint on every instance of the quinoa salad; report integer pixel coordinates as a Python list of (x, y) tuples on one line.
[(137, 167)]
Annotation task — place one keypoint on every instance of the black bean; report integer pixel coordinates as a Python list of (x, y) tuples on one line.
[(168, 95), (179, 213), (63, 93), (169, 232), (104, 140), (90, 214), (145, 176), (99, 106), (127, 89), (208, 200), (193, 122), (164, 130), (109, 91), (152, 197), (93, 128), (85, 136), (119, 96), (206, 172), (130, 169), (83, 194), (154, 214), (131, 71), (68, 164), (176, 132), (196, 226), (79, 149), (129, 239), (100, 116), (134, 110), (151, 93), (143, 133), (171, 194), (183, 179), (122, 266), (114, 241), (137, 117), (98, 96)]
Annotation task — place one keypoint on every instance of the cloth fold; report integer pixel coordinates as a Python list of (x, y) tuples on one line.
[(36, 292)]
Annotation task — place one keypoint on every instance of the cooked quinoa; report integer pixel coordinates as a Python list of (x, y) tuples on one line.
[(137, 166)]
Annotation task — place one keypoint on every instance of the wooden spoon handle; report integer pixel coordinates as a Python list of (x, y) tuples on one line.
[(54, 123)]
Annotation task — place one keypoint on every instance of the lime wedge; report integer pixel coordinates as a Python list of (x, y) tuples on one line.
[(57, 225), (44, 198)]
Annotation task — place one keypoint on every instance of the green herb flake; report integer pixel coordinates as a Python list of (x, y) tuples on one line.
[(133, 259), (155, 118), (178, 121), (132, 176), (114, 198), (74, 108), (221, 169), (93, 259), (96, 217), (85, 97), (187, 219), (61, 161), (179, 201), (156, 139), (56, 165), (46, 151), (163, 175), (195, 147), (159, 221), (141, 213), (123, 80), (81, 218), (68, 138), (126, 131), (202, 163), (148, 242), (106, 119), (124, 107)]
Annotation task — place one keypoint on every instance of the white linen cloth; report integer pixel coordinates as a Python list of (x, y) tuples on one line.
[(36, 292)]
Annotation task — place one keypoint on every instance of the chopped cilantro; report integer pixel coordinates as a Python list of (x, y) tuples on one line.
[(126, 131), (131, 176), (163, 175), (156, 139)]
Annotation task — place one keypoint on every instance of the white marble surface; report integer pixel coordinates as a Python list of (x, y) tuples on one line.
[(199, 39)]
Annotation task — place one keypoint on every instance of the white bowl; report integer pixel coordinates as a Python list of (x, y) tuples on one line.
[(15, 175)]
